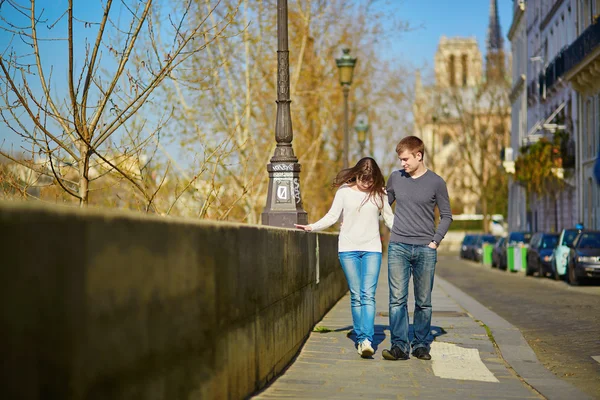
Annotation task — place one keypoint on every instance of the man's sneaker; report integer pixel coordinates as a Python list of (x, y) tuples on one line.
[(421, 353), (366, 349), (395, 354)]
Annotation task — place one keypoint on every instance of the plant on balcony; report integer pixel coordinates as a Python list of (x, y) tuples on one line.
[(540, 169), (536, 166)]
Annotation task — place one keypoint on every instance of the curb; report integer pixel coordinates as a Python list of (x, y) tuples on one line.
[(514, 348)]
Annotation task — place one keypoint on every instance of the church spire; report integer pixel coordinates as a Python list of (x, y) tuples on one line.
[(495, 42), (495, 46)]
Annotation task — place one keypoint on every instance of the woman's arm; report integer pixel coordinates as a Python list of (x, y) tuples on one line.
[(332, 216)]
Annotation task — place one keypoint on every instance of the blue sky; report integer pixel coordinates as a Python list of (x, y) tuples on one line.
[(416, 48), (443, 17)]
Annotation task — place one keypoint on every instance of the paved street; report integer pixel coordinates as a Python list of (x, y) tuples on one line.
[(466, 362), (560, 322)]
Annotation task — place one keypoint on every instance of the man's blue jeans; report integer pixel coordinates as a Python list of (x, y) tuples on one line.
[(404, 260), (362, 272)]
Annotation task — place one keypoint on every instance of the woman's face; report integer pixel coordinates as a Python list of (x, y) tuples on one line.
[(364, 183)]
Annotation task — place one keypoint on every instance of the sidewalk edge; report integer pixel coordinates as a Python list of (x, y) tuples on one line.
[(514, 348)]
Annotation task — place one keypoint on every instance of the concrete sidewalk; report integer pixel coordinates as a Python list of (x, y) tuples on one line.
[(466, 361)]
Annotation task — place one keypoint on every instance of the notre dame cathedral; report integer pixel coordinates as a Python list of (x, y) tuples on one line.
[(441, 110)]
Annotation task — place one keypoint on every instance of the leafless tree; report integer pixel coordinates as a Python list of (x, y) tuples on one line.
[(236, 100), (91, 123), (477, 120)]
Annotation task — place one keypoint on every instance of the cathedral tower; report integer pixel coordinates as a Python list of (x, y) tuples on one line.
[(457, 62), (495, 60)]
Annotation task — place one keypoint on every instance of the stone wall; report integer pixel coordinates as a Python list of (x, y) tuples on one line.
[(106, 305)]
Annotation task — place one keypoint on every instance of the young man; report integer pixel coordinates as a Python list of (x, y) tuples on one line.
[(413, 246)]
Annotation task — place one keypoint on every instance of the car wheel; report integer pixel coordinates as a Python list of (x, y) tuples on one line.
[(556, 276), (573, 279), (528, 271), (541, 271), (553, 271)]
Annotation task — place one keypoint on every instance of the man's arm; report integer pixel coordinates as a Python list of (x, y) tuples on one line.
[(390, 190), (443, 203)]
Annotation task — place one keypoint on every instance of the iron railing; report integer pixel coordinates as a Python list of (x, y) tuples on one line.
[(570, 56)]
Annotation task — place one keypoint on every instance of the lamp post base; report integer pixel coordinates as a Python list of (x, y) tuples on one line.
[(285, 219), (284, 201)]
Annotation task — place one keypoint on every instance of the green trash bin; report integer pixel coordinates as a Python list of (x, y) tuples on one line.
[(486, 259), (524, 258), (510, 258)]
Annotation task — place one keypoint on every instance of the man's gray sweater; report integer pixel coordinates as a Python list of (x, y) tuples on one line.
[(415, 202)]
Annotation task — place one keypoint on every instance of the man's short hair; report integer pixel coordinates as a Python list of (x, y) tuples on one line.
[(412, 144)]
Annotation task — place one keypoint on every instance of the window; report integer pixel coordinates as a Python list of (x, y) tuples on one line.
[(589, 207), (589, 129), (587, 14), (465, 67), (596, 132), (452, 71), (446, 139)]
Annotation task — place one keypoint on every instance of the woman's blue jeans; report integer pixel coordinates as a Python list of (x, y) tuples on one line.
[(362, 272), (404, 260)]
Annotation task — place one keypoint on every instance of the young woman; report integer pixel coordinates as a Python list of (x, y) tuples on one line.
[(360, 199)]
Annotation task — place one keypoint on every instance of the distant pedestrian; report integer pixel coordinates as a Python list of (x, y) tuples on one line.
[(413, 247), (360, 199)]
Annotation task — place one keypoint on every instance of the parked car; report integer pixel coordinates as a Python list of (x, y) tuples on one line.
[(477, 247), (499, 254), (560, 255), (515, 238), (584, 257), (539, 253), (464, 247)]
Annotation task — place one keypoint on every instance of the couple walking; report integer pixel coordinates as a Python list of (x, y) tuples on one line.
[(360, 199)]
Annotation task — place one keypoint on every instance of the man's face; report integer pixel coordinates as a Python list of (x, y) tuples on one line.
[(409, 162)]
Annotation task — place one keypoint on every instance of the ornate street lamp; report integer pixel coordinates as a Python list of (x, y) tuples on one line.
[(345, 66), (361, 129), (284, 203)]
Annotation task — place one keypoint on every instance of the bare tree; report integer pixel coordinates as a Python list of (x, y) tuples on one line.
[(469, 128), (235, 102), (83, 127)]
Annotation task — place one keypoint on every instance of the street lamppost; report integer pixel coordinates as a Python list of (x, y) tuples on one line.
[(345, 66), (361, 129), (284, 203)]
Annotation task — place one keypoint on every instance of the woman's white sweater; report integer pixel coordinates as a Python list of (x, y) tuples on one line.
[(360, 225)]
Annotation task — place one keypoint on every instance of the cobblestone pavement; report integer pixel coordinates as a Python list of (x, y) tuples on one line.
[(466, 363), (560, 322)]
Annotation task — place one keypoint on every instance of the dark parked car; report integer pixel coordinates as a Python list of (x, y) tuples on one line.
[(499, 254), (515, 238), (539, 253), (477, 248), (584, 259), (464, 247)]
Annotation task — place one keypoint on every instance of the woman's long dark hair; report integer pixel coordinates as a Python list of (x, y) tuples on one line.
[(367, 170)]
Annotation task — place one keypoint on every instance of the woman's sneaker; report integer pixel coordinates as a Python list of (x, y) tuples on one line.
[(366, 350), (359, 348)]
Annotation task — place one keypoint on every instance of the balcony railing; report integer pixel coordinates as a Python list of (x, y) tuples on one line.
[(582, 46), (570, 56)]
